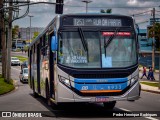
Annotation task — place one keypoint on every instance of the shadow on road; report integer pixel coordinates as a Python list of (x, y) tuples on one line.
[(77, 110)]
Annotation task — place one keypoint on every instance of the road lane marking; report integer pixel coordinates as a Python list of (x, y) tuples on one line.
[(16, 69), (125, 109), (151, 118)]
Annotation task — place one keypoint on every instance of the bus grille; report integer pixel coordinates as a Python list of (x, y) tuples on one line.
[(119, 75)]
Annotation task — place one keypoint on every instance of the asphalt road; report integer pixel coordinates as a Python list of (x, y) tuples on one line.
[(21, 100)]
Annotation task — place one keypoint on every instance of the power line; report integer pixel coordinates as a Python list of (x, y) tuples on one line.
[(32, 3), (141, 13), (114, 6)]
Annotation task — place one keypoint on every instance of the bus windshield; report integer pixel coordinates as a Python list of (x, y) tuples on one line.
[(119, 52)]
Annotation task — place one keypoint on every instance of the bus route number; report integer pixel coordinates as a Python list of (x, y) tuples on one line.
[(84, 87)]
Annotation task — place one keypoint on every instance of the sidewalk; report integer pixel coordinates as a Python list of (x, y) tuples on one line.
[(147, 87)]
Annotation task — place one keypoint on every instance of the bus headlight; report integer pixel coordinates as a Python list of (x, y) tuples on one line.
[(65, 81), (133, 80)]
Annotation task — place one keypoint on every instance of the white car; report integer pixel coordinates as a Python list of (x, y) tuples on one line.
[(15, 61), (24, 75)]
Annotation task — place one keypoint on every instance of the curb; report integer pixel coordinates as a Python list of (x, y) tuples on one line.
[(151, 91)]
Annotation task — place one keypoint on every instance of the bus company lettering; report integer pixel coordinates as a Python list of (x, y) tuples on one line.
[(97, 22), (102, 80), (76, 59), (107, 22)]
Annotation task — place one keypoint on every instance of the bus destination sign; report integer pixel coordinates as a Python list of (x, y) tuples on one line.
[(97, 22)]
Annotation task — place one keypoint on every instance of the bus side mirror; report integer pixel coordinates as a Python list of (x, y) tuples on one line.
[(54, 44)]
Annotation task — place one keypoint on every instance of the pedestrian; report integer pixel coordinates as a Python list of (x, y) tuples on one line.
[(144, 73), (22, 50), (152, 74), (149, 73)]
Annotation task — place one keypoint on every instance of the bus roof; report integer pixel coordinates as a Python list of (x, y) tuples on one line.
[(95, 14), (78, 14)]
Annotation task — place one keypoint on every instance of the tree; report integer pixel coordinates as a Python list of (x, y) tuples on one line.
[(103, 11), (25, 48), (154, 32), (15, 31), (35, 35), (3, 40), (106, 11)]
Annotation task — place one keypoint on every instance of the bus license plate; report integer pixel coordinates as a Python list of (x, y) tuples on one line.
[(102, 99)]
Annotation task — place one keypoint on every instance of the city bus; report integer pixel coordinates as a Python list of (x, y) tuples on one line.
[(86, 58)]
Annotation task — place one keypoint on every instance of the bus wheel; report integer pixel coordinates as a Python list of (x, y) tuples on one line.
[(47, 95), (109, 105)]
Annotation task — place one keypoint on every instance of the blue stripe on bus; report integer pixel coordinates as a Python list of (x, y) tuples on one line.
[(121, 86), (88, 86), (101, 80)]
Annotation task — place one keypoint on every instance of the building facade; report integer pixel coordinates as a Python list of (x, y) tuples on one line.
[(28, 33), (145, 50), (25, 34)]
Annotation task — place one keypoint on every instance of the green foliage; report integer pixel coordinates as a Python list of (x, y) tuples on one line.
[(5, 87), (103, 11), (35, 35), (155, 84), (109, 11), (25, 48), (155, 29), (15, 31), (106, 11), (18, 50), (22, 59)]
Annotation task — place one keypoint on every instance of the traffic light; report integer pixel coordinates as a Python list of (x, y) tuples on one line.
[(59, 7)]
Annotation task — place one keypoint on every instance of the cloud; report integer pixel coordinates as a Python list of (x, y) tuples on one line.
[(44, 13)]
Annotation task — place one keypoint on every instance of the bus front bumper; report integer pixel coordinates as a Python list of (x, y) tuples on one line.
[(67, 95)]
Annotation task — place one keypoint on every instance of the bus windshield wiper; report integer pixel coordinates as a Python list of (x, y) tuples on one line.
[(84, 42), (85, 46), (110, 39)]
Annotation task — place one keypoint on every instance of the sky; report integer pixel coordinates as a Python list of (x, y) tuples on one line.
[(44, 13)]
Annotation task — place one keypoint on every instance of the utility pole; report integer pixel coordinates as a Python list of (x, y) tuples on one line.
[(9, 41), (1, 28), (3, 40), (159, 71), (30, 29), (86, 1), (153, 41)]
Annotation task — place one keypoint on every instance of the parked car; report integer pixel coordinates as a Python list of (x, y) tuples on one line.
[(15, 61), (24, 75), (24, 65), (14, 49)]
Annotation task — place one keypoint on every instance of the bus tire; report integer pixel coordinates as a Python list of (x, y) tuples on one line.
[(47, 94), (109, 105)]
